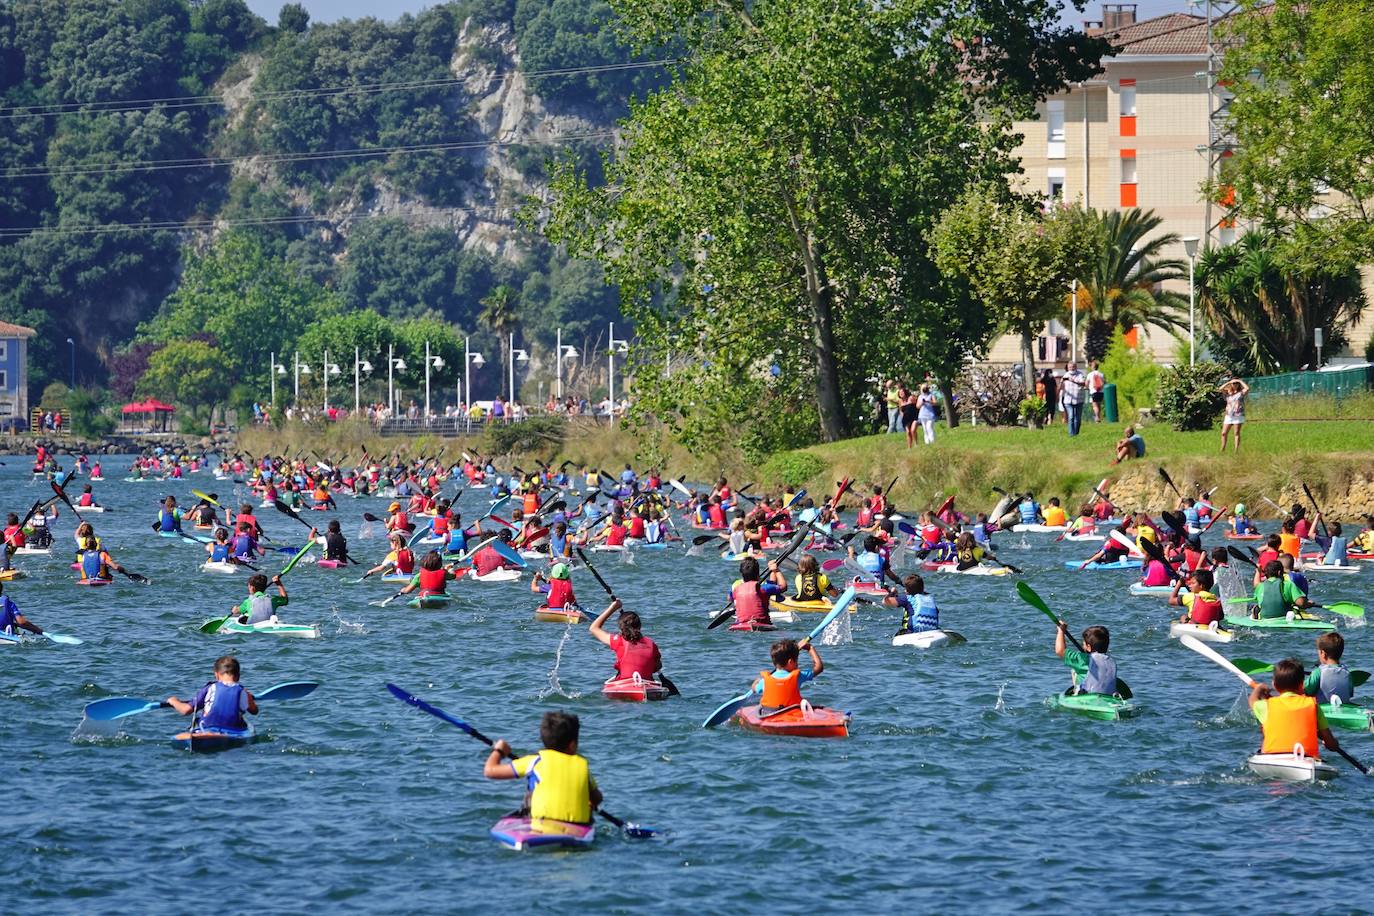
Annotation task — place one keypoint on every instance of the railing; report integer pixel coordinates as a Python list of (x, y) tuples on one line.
[(1339, 384), (435, 426)]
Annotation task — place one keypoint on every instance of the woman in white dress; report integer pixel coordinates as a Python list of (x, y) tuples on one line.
[(1235, 391)]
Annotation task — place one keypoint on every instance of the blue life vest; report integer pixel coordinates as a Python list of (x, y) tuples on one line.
[(223, 707), (870, 563), (558, 544), (1337, 553), (90, 564), (457, 540), (1191, 517), (260, 608), (980, 534), (243, 546), (1030, 512), (219, 553), (1334, 680), (168, 521)]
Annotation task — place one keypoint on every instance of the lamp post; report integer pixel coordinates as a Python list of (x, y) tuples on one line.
[(438, 363), (359, 366), (328, 369), (1190, 247), (301, 369), (274, 369), (512, 356), (470, 359), (1073, 324), (612, 346), (563, 353), (71, 343)]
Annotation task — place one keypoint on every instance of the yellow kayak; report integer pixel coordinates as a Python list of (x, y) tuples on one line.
[(808, 607)]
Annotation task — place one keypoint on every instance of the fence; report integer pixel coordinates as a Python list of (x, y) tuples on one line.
[(1337, 385)]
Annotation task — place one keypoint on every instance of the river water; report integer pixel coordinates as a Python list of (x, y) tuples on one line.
[(959, 789)]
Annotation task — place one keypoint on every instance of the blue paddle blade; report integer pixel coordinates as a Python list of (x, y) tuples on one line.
[(505, 550), (117, 708), (906, 528), (62, 639), (727, 710), (435, 711), (291, 690)]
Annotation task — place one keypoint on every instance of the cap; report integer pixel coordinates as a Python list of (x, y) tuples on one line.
[(1240, 508), (560, 571)]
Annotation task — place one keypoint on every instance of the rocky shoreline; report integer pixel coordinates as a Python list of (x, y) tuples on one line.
[(112, 445)]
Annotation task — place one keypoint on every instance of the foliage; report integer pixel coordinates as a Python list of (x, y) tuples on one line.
[(1017, 258), (54, 396), (769, 207), (1188, 396), (187, 373), (87, 417), (1304, 152), (1032, 409), (793, 469), (573, 34), (540, 434), (995, 394), (1262, 298), (1134, 374), (1122, 287)]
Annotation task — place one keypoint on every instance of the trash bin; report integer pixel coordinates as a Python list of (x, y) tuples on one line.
[(1109, 402)]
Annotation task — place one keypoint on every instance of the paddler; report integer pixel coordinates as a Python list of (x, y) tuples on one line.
[(1331, 678), (169, 516), (87, 498), (1240, 522), (397, 520), (871, 561), (919, 612), (635, 653), (1094, 671), (1276, 596), (1203, 607), (11, 619), (560, 785), (244, 545), (781, 688), (246, 515), (401, 559), (96, 564), (1335, 546), (218, 549), (1289, 541), (432, 577), (1030, 511), (751, 597), (1055, 516), (968, 553), (221, 703), (1288, 718), (335, 544), (1085, 523), (810, 583), (259, 607), (487, 560), (557, 588)]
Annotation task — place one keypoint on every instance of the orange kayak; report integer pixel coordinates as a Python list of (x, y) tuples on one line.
[(803, 721), (557, 614)]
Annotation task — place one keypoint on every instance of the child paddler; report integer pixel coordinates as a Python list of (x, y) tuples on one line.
[(919, 612), (222, 702), (1240, 522), (557, 588), (1094, 671), (560, 786), (781, 688), (11, 619), (169, 516), (1203, 606), (1055, 516), (432, 577), (401, 559), (260, 607), (218, 550), (1276, 595), (751, 597), (1331, 678), (810, 583), (335, 544), (1288, 718), (635, 653)]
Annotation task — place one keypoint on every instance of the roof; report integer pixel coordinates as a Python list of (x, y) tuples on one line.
[(16, 330), (1173, 33)]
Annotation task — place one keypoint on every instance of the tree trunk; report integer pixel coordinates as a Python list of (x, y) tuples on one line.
[(1028, 358), (821, 296), (947, 392)]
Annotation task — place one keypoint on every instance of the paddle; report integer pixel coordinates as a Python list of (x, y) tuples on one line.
[(1255, 666), (631, 830), (62, 494), (1169, 480), (212, 626), (60, 638), (727, 710), (1029, 596), (672, 688), (1316, 509), (1236, 554), (729, 608), (112, 708)]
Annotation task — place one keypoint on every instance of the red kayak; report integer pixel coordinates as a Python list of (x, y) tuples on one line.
[(752, 626), (804, 721), (1231, 535), (633, 689)]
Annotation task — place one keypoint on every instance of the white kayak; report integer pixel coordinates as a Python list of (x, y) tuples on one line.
[(929, 639), (1140, 588), (1210, 633), (534, 554), (33, 552), (496, 575), (222, 567), (971, 571), (1321, 568), (87, 510), (609, 548), (1084, 536), (1290, 767), (1039, 529)]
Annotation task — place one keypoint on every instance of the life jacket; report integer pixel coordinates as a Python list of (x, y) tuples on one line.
[(636, 658), (653, 532), (1334, 680), (636, 528), (1101, 676), (716, 515), (405, 561), (1191, 517), (1103, 510), (561, 593), (1206, 608), (1290, 544), (1030, 512), (259, 608), (779, 692), (487, 560), (558, 545), (615, 535), (221, 710), (167, 520), (1337, 554), (399, 521), (85, 499), (440, 525), (1291, 720), (750, 603), (1156, 573), (919, 613), (871, 563), (433, 581), (1193, 559), (865, 517), (930, 535), (703, 514), (243, 545), (1302, 528), (14, 536), (809, 587), (219, 552), (92, 564), (246, 517), (531, 502), (1056, 516), (1241, 525), (1271, 603)]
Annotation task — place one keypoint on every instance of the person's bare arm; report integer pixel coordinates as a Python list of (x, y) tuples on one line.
[(597, 628), (494, 768)]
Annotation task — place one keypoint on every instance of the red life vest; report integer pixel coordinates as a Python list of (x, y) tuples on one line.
[(636, 528), (750, 602), (399, 521), (783, 691), (561, 593), (432, 581), (633, 658), (716, 515), (930, 534), (487, 560), (441, 524), (85, 500), (865, 517), (405, 561), (615, 535), (1206, 611), (14, 536)]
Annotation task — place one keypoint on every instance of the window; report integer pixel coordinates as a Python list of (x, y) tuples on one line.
[(4, 349), (4, 380), (1127, 98), (1054, 187), (1128, 178), (1054, 123), (1128, 173)]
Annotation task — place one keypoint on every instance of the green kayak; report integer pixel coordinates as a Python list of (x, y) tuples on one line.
[(1280, 623), (1348, 715), (429, 601), (1095, 705), (297, 630)]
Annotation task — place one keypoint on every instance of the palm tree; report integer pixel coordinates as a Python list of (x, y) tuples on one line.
[(1123, 290), (499, 316), (1261, 308)]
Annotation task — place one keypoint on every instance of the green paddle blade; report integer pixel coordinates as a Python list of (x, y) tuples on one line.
[(1252, 665), (1345, 609), (1243, 599), (1358, 678), (1029, 596), (211, 627)]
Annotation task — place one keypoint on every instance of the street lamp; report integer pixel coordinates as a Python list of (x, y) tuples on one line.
[(470, 359), (514, 355), (391, 365), (563, 353), (329, 369), (1190, 248), (274, 369), (72, 344), (359, 366), (301, 369), (438, 363), (613, 346)]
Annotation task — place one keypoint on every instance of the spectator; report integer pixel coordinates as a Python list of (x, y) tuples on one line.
[(1045, 387), (1235, 391), (1096, 383), (925, 401), (893, 399), (1071, 394), (910, 417), (1132, 446)]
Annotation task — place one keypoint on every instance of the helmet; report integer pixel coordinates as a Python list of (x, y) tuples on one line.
[(560, 571), (1240, 508), (394, 507)]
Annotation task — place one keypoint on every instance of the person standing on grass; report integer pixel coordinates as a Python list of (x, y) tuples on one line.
[(1048, 389), (1097, 382), (926, 413), (1235, 391), (893, 397), (1071, 393), (911, 410)]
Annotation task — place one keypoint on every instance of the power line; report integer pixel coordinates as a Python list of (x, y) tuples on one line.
[(199, 225), (123, 106)]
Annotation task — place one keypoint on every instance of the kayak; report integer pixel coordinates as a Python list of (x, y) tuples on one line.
[(429, 602), (10, 639), (97, 479), (396, 578), (1348, 715), (729, 557), (169, 534), (1083, 536), (218, 740), (753, 626), (518, 833), (297, 630), (865, 587), (497, 575), (1039, 529), (1118, 564), (1231, 535), (1095, 705), (94, 582), (330, 564), (1321, 568), (1280, 623), (7, 575), (807, 607), (971, 571), (928, 639), (557, 614), (1140, 588), (1290, 767), (223, 567), (534, 554), (33, 552), (633, 689), (609, 548), (1199, 632), (1351, 555), (804, 721)]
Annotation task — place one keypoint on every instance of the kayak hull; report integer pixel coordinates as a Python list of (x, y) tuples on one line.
[(1290, 767), (1200, 633), (1347, 569), (204, 742), (803, 721), (633, 689), (1039, 529), (971, 571), (292, 630), (1232, 536), (1119, 564), (753, 626), (429, 602), (1138, 588), (547, 614), (224, 569), (519, 833), (807, 607), (1351, 716), (1280, 624), (496, 575), (929, 639), (1095, 706)]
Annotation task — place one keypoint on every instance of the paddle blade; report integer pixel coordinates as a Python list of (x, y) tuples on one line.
[(291, 563), (727, 710), (291, 690), (1253, 665), (1345, 609), (436, 712), (113, 708), (62, 639), (508, 553), (1029, 596), (723, 616)]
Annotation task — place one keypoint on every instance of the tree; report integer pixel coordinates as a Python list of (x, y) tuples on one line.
[(1304, 155), (1262, 299), (1122, 288), (500, 316), (769, 207), (189, 374), (293, 18), (1018, 260)]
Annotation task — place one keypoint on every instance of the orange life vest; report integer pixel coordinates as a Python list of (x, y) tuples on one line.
[(781, 691), (1291, 720), (1289, 544), (531, 503)]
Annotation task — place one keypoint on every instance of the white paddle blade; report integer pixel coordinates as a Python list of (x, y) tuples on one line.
[(1213, 655)]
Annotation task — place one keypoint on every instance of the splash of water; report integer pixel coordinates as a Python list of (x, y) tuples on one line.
[(342, 626), (555, 686), (1001, 704), (627, 557), (367, 530), (840, 632)]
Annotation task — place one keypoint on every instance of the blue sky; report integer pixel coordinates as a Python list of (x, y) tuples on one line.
[(329, 10)]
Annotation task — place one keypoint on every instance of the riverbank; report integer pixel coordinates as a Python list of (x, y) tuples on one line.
[(66, 444)]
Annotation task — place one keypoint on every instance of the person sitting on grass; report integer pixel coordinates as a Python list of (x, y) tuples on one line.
[(1131, 446)]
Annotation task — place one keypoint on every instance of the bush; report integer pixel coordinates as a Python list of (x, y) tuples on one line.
[(1136, 377), (84, 405), (530, 435), (792, 468), (996, 395), (1188, 396), (1032, 409)]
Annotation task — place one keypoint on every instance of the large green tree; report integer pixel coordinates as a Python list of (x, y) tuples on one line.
[(768, 208), (190, 374)]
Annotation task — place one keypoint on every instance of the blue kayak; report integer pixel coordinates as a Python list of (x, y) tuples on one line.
[(1119, 564)]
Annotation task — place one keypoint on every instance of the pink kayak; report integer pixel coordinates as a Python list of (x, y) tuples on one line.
[(633, 689)]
